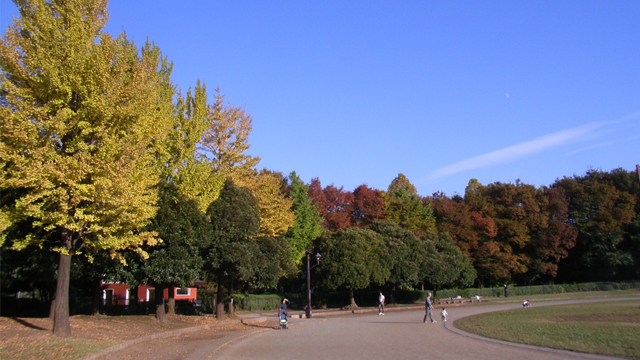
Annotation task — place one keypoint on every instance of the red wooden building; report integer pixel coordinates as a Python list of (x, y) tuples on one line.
[(120, 294)]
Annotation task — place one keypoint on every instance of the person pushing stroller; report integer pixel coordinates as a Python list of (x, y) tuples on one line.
[(283, 314)]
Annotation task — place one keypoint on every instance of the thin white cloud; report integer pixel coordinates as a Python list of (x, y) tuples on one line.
[(518, 151), (603, 144)]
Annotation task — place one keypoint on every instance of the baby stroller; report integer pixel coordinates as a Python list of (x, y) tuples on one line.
[(284, 323), (283, 314)]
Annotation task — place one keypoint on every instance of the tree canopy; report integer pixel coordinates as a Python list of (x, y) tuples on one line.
[(404, 207), (307, 226), (235, 224), (603, 207), (353, 259)]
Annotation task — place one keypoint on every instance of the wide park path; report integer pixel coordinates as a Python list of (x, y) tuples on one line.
[(400, 334), (396, 335)]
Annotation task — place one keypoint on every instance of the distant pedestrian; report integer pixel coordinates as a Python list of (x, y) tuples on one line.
[(284, 311), (526, 304), (381, 304), (506, 290), (444, 314), (283, 314), (429, 309)]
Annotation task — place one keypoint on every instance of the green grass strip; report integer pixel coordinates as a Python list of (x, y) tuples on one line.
[(605, 328)]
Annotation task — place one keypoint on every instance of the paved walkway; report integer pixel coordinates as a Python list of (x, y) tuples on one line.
[(396, 335)]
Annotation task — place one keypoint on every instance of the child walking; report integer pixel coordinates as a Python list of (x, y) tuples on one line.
[(444, 314)]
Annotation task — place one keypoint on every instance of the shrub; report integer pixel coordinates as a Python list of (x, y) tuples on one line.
[(256, 302)]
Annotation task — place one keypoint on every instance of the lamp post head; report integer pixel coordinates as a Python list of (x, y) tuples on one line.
[(318, 256)]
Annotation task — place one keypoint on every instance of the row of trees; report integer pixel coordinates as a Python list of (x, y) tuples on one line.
[(105, 163), (580, 228)]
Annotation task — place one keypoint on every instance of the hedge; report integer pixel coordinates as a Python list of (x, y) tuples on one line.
[(241, 301), (538, 289)]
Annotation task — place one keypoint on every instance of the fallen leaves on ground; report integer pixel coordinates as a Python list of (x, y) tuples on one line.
[(31, 338)]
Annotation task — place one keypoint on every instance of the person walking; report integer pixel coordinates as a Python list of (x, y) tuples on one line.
[(283, 312), (444, 314), (429, 310), (381, 304)]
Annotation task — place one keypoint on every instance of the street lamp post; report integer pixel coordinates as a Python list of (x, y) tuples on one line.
[(309, 267)]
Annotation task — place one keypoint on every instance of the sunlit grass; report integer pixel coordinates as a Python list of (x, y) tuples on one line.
[(607, 328)]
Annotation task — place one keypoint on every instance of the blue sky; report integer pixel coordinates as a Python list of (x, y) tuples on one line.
[(356, 92)]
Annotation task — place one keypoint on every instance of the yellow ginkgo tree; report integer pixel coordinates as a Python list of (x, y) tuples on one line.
[(80, 132)]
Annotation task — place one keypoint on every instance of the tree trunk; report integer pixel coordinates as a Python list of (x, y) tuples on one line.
[(231, 312), (96, 297), (352, 301), (52, 307), (172, 300), (220, 304), (161, 314), (61, 326), (133, 300), (435, 293)]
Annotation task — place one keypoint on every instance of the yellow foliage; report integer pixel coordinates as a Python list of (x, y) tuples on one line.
[(81, 128), (276, 216)]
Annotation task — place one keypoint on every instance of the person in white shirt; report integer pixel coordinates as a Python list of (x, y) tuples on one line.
[(444, 314), (381, 304)]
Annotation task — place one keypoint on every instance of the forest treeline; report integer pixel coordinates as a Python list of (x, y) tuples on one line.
[(109, 172), (579, 229)]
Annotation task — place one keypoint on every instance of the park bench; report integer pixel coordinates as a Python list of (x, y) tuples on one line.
[(458, 300)]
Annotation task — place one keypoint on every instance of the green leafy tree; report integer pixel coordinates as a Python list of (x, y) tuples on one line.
[(308, 224), (80, 133), (451, 267), (177, 261), (404, 207), (404, 254), (353, 259), (272, 260), (603, 210), (235, 220)]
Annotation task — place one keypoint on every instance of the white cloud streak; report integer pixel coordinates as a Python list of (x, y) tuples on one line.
[(518, 151), (603, 144)]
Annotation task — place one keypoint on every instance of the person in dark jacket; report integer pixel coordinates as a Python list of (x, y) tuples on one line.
[(283, 309)]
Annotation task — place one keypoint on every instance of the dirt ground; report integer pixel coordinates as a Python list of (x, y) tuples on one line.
[(26, 338)]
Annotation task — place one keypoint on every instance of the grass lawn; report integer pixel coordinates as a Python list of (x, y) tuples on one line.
[(606, 328)]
